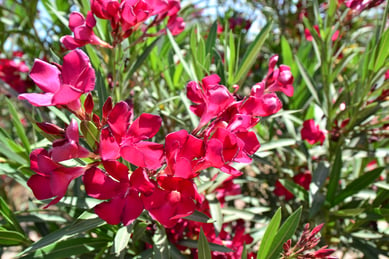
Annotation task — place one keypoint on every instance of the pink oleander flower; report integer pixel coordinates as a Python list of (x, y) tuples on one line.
[(120, 189), (176, 25), (62, 85), (83, 32), (309, 36), (211, 99), (260, 103), (305, 245), (51, 179), (69, 147), (262, 100), (312, 133), (175, 198), (130, 15), (183, 154), (122, 138), (361, 5), (302, 179)]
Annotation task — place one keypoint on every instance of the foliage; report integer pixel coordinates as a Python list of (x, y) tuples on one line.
[(145, 158)]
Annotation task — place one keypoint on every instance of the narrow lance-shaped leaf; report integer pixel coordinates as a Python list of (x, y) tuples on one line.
[(335, 176), (204, 252), (19, 126), (177, 50), (285, 232), (308, 81), (358, 184), (269, 235), (251, 54)]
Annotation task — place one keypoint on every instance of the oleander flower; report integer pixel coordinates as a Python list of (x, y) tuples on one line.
[(51, 179), (312, 133), (83, 32), (62, 85)]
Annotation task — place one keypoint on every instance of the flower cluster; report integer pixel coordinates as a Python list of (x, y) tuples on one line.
[(157, 177), (305, 245), (125, 17)]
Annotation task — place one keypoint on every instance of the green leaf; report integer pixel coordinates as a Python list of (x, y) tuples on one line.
[(277, 144), (101, 89), (349, 212), (141, 58), (216, 213), (285, 232), (177, 50), (211, 40), (9, 217), (161, 243), (204, 252), (199, 217), (383, 51), (269, 235), (230, 58), (79, 226), (357, 185), (308, 81), (251, 54), (18, 126), (59, 114), (214, 247), (121, 239), (10, 238), (71, 247), (287, 56), (334, 176)]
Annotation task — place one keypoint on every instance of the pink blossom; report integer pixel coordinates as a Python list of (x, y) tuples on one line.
[(211, 98), (260, 103), (312, 133), (124, 204), (51, 179), (62, 85), (183, 153), (69, 147), (83, 32), (174, 199), (176, 25), (126, 139)]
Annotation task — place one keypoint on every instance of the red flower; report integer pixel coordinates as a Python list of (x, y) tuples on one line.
[(211, 98), (302, 179), (183, 153), (62, 85), (122, 192), (174, 199), (83, 32), (125, 139), (68, 148), (52, 179), (312, 133)]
